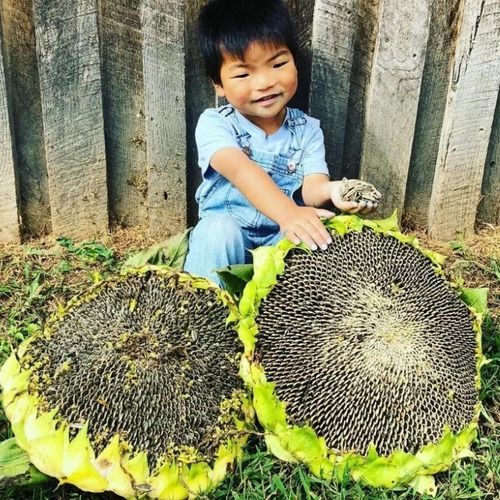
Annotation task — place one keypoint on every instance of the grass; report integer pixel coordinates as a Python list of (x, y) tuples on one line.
[(38, 277)]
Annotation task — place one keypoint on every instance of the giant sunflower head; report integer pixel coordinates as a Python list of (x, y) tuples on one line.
[(361, 357), (133, 388)]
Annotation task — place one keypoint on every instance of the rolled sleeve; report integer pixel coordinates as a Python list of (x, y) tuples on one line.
[(213, 132), (313, 159)]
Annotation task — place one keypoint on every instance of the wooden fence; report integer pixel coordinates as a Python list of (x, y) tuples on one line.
[(99, 100)]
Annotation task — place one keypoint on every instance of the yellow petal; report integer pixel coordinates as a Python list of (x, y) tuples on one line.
[(166, 484), (38, 427), (197, 478), (9, 369), (224, 460), (77, 464), (15, 385), (21, 409), (46, 452), (137, 467), (108, 464)]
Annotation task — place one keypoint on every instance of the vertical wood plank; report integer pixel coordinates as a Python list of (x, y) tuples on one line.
[(164, 61), (123, 108), (472, 98), (333, 48), (489, 208), (20, 50), (9, 219), (302, 13), (393, 99), (70, 84), (367, 25), (445, 22), (200, 95)]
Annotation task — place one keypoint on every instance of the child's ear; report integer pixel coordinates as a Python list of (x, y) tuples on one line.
[(218, 88)]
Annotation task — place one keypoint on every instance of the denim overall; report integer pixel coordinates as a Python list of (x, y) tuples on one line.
[(229, 225)]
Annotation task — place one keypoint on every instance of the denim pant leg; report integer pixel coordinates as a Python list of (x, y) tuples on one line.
[(216, 241)]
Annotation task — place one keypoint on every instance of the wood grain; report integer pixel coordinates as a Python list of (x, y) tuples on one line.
[(20, 52), (200, 95), (334, 33), (468, 120), (367, 29), (70, 87), (393, 97), (445, 22), (123, 110), (489, 207), (164, 87), (9, 219)]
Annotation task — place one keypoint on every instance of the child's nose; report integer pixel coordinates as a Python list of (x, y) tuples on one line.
[(265, 80)]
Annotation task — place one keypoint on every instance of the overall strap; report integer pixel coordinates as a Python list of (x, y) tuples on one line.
[(296, 122), (241, 135)]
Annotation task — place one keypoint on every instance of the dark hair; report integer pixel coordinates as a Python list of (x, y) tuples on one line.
[(230, 26)]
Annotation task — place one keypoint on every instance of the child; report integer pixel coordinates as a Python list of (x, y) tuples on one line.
[(263, 164)]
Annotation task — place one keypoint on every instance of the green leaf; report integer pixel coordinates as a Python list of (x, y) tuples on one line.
[(15, 467), (305, 445), (66, 243), (425, 485), (476, 298), (269, 409), (236, 277), (381, 473), (389, 224), (177, 248), (13, 459), (171, 253)]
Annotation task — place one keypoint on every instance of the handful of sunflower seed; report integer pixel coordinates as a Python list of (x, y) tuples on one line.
[(356, 190)]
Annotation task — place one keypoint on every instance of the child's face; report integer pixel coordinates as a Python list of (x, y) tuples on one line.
[(260, 85)]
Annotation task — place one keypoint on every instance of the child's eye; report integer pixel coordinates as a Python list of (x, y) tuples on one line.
[(242, 75), (280, 64)]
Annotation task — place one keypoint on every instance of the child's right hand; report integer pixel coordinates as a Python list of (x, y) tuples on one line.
[(303, 224)]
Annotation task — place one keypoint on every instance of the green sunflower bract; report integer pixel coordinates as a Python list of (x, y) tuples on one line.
[(361, 359), (133, 388)]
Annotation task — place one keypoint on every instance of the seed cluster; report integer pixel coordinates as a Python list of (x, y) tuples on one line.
[(367, 344), (149, 358)]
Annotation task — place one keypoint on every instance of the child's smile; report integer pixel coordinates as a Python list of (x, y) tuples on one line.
[(260, 85)]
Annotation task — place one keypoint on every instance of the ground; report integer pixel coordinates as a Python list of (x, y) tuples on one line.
[(42, 274)]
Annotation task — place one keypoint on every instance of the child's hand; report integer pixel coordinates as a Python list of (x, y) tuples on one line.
[(303, 224), (363, 206)]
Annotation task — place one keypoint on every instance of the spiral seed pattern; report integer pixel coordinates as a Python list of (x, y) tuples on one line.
[(367, 344), (149, 358)]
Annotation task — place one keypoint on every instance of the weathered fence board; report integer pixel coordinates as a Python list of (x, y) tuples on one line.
[(489, 208), (123, 108), (445, 23), (199, 96), (20, 50), (164, 60), (393, 99), (9, 219), (333, 52), (367, 15), (70, 84), (472, 98)]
